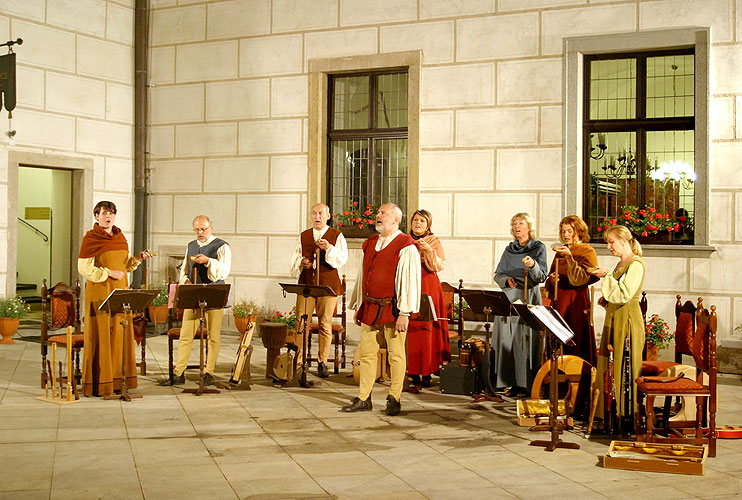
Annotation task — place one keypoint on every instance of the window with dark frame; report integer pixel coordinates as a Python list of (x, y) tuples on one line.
[(638, 132), (367, 139)]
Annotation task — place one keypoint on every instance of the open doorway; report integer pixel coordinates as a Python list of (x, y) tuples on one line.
[(44, 220)]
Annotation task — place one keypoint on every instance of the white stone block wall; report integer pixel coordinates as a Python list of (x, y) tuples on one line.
[(230, 134), (74, 87)]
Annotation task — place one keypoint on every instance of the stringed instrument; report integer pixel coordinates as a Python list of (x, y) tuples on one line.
[(243, 353), (728, 432)]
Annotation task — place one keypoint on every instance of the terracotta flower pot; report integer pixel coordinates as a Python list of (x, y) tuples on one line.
[(158, 314), (652, 352), (8, 327), (241, 323)]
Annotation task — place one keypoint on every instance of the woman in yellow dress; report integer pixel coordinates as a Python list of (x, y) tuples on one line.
[(621, 291), (104, 261)]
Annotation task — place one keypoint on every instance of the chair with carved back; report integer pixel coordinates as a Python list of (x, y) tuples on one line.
[(703, 388), (685, 321), (339, 333), (174, 323), (449, 303), (60, 308)]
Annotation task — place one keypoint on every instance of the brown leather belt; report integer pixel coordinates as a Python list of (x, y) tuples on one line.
[(382, 303)]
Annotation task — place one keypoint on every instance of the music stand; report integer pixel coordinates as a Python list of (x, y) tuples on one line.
[(126, 301), (487, 303), (306, 291), (558, 332), (203, 297)]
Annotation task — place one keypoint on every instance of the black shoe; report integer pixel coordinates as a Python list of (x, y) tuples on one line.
[(174, 380), (322, 370), (358, 405), (393, 407), (427, 381), (208, 379)]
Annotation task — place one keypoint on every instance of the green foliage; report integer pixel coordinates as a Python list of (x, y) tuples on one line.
[(13, 307), (658, 332), (464, 307), (244, 308), (162, 297), (289, 319)]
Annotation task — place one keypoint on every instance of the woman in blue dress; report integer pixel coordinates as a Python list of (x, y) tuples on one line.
[(517, 346)]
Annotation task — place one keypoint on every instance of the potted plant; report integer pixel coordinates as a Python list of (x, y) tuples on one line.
[(245, 311), (646, 223), (158, 308), (12, 309), (658, 336), (356, 222)]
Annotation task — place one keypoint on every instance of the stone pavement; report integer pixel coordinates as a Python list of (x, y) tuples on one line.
[(287, 443)]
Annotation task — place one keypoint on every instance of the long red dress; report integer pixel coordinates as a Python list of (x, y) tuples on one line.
[(427, 341), (573, 298)]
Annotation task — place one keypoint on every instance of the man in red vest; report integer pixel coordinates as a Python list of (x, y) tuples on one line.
[(321, 250), (386, 292)]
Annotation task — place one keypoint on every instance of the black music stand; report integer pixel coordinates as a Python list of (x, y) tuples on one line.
[(558, 332), (204, 297), (306, 291), (126, 301), (487, 303)]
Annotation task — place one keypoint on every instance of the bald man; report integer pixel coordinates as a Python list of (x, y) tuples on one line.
[(386, 292), (212, 259), (333, 254)]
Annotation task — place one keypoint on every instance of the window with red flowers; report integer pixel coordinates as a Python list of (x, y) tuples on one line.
[(367, 143), (638, 136)]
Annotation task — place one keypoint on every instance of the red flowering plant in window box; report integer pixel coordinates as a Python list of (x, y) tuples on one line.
[(357, 216), (644, 221)]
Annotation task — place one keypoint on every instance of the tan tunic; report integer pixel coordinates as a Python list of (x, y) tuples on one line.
[(103, 334), (623, 317)]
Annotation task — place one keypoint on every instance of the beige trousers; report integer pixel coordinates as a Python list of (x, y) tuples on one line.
[(191, 319), (325, 309), (371, 338)]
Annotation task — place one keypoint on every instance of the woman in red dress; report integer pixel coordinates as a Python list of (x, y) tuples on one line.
[(427, 341), (575, 258)]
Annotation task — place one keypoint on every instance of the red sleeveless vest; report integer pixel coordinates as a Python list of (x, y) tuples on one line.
[(379, 272), (328, 275)]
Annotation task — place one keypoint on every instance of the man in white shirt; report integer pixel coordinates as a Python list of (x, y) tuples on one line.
[(211, 257), (386, 292), (318, 255)]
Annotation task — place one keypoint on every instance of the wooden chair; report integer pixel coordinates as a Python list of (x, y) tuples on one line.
[(173, 334), (62, 303), (449, 303), (704, 355), (339, 333), (685, 321)]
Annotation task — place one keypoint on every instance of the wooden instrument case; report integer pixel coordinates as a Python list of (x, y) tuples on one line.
[(656, 457)]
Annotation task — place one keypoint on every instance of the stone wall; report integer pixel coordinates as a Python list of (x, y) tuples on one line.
[(230, 121), (75, 76)]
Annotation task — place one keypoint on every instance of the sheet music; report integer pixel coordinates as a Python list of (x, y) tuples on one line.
[(432, 308), (557, 327)]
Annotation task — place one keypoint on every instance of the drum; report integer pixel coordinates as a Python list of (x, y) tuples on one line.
[(273, 336)]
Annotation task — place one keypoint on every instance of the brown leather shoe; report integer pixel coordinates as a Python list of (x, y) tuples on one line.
[(393, 407), (358, 405)]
